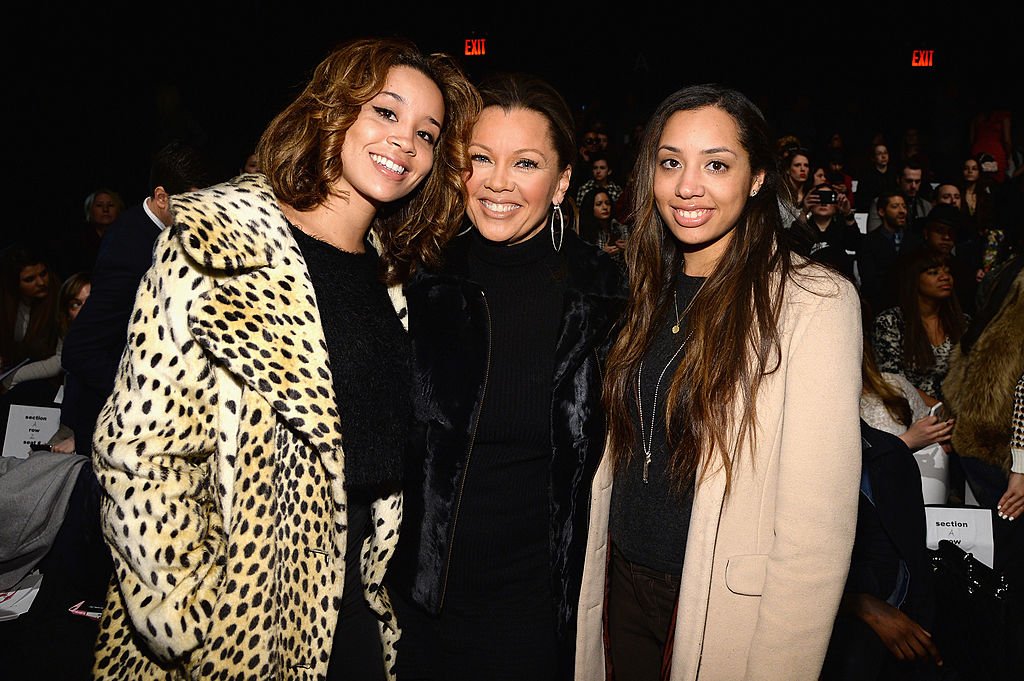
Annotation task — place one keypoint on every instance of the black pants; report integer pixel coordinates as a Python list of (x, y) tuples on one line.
[(481, 645), (356, 653), (641, 606), (988, 483)]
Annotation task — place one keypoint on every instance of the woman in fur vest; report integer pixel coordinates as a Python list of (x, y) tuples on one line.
[(983, 390)]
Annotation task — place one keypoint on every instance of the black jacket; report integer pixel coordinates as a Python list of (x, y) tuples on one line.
[(94, 343), (894, 480), (449, 326)]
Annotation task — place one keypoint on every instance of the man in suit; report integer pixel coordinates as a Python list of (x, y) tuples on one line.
[(880, 249), (78, 565), (94, 343)]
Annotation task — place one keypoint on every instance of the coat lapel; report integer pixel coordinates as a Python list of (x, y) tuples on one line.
[(261, 320), (275, 346)]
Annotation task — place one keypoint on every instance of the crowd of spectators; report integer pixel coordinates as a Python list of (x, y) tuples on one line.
[(935, 258)]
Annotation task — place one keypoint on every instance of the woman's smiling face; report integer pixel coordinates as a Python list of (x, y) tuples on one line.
[(515, 177), (702, 181)]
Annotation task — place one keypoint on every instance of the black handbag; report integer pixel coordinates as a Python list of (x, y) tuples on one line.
[(957, 569), (978, 624)]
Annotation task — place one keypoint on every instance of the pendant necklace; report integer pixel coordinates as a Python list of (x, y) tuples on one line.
[(675, 305), (647, 441)]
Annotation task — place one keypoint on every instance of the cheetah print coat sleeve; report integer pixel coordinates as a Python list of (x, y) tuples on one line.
[(156, 433)]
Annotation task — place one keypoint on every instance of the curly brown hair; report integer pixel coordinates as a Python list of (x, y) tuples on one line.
[(300, 150)]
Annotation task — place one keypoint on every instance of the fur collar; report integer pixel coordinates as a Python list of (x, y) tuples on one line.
[(260, 318), (979, 386), (236, 225)]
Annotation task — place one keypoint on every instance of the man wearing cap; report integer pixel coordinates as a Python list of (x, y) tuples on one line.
[(943, 231), (940, 228)]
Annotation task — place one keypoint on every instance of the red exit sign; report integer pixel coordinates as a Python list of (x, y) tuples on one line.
[(476, 47), (923, 58)]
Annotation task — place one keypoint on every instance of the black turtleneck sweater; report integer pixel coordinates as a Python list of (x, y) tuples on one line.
[(500, 567), (369, 356), (369, 353)]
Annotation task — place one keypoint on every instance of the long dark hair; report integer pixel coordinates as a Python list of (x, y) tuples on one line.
[(735, 315), (40, 339), (590, 227), (917, 349), (788, 189), (873, 383)]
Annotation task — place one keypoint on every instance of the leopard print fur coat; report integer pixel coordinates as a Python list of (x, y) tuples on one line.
[(220, 456)]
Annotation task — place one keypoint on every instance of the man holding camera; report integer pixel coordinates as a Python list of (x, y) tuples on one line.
[(832, 231)]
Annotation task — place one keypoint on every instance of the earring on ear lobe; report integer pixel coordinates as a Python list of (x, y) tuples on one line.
[(753, 192), (556, 210)]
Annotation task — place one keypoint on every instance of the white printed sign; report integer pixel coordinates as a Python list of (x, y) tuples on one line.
[(968, 527), (18, 600), (862, 222), (26, 425)]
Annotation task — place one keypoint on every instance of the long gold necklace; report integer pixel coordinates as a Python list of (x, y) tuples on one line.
[(675, 305), (647, 441)]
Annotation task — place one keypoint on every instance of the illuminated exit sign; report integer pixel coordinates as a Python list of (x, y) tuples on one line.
[(476, 47), (920, 58)]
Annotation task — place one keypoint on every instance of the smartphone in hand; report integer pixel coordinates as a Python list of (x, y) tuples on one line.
[(938, 410)]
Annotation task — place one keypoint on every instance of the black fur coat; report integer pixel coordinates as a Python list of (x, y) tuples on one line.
[(448, 324)]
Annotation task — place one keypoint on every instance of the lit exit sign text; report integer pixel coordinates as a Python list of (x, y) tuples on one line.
[(920, 58), (476, 47)]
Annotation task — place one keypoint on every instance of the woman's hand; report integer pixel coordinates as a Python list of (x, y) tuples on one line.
[(1011, 504), (927, 430), (903, 637), (843, 205)]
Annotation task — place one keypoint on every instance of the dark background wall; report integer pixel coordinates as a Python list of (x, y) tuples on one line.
[(95, 88)]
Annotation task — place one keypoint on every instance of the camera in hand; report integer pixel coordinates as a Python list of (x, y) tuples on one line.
[(826, 195)]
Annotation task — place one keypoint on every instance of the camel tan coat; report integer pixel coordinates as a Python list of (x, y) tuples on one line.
[(764, 567)]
